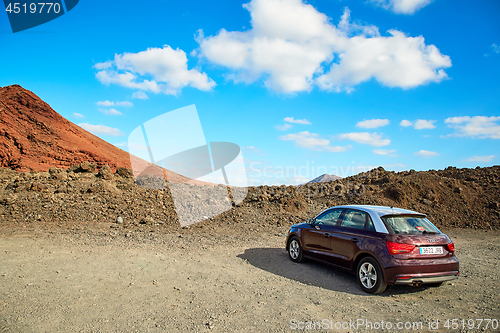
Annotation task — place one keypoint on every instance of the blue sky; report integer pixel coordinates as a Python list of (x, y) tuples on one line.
[(304, 87)]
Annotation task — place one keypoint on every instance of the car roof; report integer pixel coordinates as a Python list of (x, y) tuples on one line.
[(382, 210)]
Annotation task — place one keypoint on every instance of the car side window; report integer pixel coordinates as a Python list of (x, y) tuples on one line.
[(329, 218), (371, 227), (354, 219)]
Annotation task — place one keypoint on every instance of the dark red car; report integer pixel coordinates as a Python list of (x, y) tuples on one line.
[(381, 245)]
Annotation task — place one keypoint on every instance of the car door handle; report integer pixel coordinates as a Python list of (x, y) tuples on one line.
[(327, 235), (354, 240)]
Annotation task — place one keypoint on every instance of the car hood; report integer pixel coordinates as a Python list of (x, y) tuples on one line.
[(300, 225)]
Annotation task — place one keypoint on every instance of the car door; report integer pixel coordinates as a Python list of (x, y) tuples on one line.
[(348, 236), (317, 237)]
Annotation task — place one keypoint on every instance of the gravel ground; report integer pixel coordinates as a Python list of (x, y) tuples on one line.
[(104, 280)]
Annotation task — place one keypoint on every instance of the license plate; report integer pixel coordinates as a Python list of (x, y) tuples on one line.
[(431, 250)]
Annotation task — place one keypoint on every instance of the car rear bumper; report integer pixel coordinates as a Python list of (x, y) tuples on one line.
[(426, 278), (426, 271)]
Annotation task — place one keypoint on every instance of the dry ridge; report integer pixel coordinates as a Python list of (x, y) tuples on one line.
[(85, 196)]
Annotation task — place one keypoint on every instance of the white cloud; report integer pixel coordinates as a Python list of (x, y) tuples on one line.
[(140, 95), (101, 129), (394, 61), (111, 103), (292, 46), (485, 159), (372, 123), (335, 149), (252, 149), (476, 127), (103, 65), (78, 115), (386, 152), (167, 67), (418, 124), (405, 123), (105, 103), (283, 127), (402, 6), (297, 121), (495, 48), (372, 139), (306, 140), (424, 124), (125, 104), (111, 112), (426, 153), (312, 141)]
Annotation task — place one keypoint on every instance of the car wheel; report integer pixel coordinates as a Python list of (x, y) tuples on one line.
[(370, 276), (295, 250)]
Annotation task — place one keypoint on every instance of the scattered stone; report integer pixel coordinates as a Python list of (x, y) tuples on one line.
[(60, 176), (147, 220), (9, 199), (426, 202), (105, 173), (39, 187), (54, 170), (73, 168), (119, 220), (88, 167), (125, 172), (88, 197)]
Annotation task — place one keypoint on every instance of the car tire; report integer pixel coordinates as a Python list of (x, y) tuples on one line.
[(370, 276), (295, 250)]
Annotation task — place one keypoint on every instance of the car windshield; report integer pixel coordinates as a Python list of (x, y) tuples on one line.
[(410, 225)]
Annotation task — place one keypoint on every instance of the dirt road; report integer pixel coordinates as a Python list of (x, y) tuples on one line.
[(116, 281)]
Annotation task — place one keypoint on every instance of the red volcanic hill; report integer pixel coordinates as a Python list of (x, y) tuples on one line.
[(34, 137)]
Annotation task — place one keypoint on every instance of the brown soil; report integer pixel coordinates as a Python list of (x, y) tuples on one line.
[(102, 280), (79, 196)]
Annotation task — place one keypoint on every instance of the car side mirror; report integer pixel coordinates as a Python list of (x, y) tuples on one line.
[(310, 221)]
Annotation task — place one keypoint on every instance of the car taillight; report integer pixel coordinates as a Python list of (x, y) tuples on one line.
[(398, 248), (451, 247)]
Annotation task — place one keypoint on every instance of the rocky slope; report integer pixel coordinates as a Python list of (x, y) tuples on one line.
[(34, 137), (82, 195)]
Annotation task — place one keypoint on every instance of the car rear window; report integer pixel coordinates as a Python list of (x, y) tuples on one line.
[(409, 225)]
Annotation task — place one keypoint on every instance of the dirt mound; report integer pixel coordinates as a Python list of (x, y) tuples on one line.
[(83, 195)]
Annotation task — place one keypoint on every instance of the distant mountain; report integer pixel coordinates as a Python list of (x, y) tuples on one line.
[(324, 178)]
